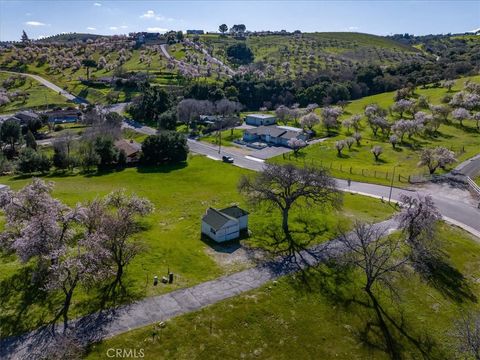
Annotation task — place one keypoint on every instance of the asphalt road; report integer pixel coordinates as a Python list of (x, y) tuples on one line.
[(471, 167)]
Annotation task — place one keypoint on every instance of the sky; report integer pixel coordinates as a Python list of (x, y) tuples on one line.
[(49, 17)]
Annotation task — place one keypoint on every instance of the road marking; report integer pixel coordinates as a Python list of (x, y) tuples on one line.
[(254, 158)]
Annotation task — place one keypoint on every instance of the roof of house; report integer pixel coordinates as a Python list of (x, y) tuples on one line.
[(234, 211), (215, 218), (26, 115), (65, 112), (261, 116), (289, 134), (129, 147), (273, 131), (291, 128)]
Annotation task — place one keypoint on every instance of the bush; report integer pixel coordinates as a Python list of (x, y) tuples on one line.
[(168, 147), (31, 161), (240, 54)]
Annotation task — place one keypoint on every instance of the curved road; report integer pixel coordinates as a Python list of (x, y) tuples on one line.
[(51, 86)]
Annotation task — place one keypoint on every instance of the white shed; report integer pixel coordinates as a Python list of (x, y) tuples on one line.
[(224, 225), (260, 119)]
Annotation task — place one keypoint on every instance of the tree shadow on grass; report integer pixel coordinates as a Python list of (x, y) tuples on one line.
[(448, 280), (161, 168), (337, 285), (109, 295), (465, 128), (18, 294)]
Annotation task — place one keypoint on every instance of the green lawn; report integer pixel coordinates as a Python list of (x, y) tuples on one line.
[(181, 194), (227, 137), (288, 320), (130, 134), (39, 96), (359, 163)]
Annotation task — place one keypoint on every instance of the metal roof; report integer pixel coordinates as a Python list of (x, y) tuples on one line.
[(215, 218), (261, 116), (234, 211), (218, 218)]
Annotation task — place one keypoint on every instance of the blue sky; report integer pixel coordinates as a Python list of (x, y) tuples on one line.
[(42, 17)]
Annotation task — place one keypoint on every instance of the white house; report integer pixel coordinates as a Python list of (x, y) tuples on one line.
[(260, 119), (226, 224), (274, 135)]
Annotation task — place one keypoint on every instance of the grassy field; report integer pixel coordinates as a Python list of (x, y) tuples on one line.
[(464, 141), (181, 194), (327, 320), (39, 96)]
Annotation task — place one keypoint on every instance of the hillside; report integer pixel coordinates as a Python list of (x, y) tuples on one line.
[(317, 51), (69, 37)]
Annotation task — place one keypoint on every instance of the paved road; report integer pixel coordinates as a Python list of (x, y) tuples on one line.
[(98, 326), (163, 47), (53, 87), (471, 167)]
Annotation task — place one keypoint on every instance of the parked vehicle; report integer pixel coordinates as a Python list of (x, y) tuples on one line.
[(227, 159)]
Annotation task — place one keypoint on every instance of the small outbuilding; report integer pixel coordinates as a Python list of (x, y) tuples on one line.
[(260, 119), (226, 224)]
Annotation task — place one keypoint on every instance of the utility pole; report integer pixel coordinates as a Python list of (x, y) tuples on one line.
[(391, 185), (220, 137)]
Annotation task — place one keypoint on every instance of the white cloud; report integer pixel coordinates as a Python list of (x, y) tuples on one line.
[(352, 28), (113, 27), (150, 14), (156, 29), (35, 23), (91, 28), (97, 4), (123, 27), (39, 37)]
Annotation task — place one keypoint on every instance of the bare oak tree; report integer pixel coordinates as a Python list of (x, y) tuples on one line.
[(286, 186), (378, 256), (418, 219), (466, 333)]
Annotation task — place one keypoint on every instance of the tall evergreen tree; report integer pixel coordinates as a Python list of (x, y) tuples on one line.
[(25, 37)]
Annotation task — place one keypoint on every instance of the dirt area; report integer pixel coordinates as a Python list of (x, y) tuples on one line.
[(452, 191), (233, 257)]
